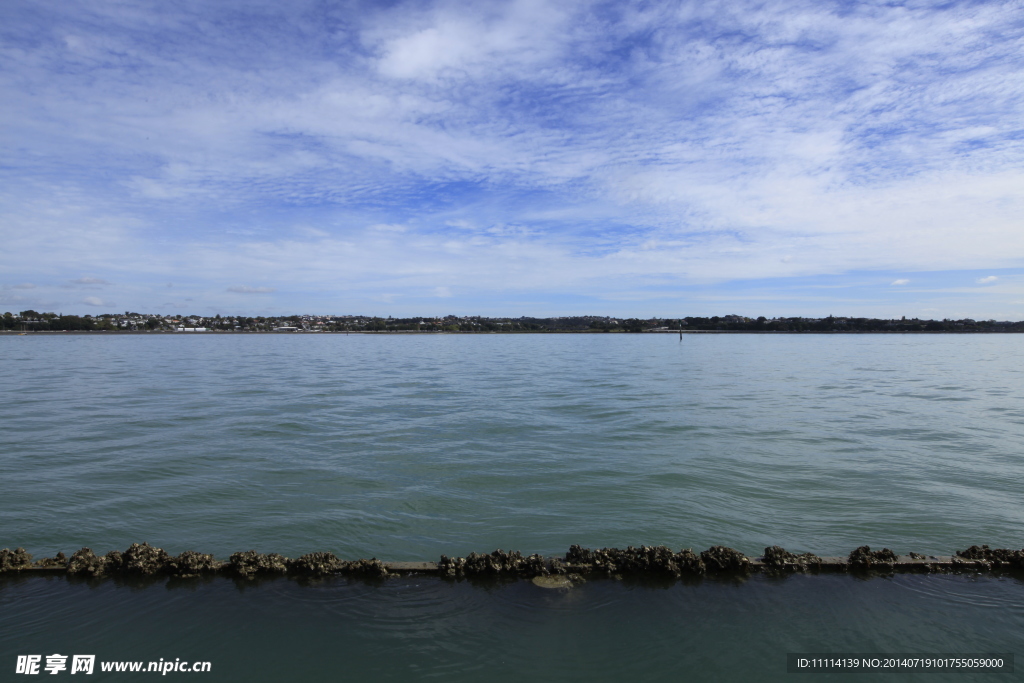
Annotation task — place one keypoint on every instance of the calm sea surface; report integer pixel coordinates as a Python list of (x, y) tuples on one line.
[(405, 447)]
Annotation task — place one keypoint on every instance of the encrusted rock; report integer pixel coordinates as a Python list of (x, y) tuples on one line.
[(863, 557), (141, 559), (998, 557), (57, 560), (250, 563), (371, 568), (589, 560), (84, 562), (113, 561), (719, 558), (451, 566), (144, 559), (780, 558), (191, 563), (14, 560), (498, 563), (654, 560), (690, 562), (316, 564)]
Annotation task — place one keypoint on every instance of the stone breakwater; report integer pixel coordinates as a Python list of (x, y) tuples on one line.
[(142, 559)]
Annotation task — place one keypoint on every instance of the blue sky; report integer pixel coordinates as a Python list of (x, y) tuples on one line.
[(513, 158)]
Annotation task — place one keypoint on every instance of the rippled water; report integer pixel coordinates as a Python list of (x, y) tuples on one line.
[(404, 447)]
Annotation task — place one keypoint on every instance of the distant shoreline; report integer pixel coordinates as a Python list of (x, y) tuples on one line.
[(33, 321), (173, 333)]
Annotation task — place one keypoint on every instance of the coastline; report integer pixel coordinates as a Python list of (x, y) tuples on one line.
[(19, 333)]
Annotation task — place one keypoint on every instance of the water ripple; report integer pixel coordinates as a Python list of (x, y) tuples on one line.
[(407, 447)]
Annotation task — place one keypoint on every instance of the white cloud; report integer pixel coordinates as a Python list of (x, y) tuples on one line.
[(458, 40), (93, 301), (987, 280), (901, 281), (522, 146)]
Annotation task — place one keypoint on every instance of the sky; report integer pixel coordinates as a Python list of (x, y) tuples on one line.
[(514, 158)]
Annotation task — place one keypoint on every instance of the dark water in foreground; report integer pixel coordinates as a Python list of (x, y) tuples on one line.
[(429, 629), (406, 447)]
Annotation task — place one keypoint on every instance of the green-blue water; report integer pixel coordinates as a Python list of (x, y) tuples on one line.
[(407, 447)]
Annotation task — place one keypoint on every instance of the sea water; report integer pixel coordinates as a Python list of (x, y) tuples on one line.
[(404, 447)]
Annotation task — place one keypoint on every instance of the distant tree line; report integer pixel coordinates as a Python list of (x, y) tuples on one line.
[(34, 321), (849, 324)]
